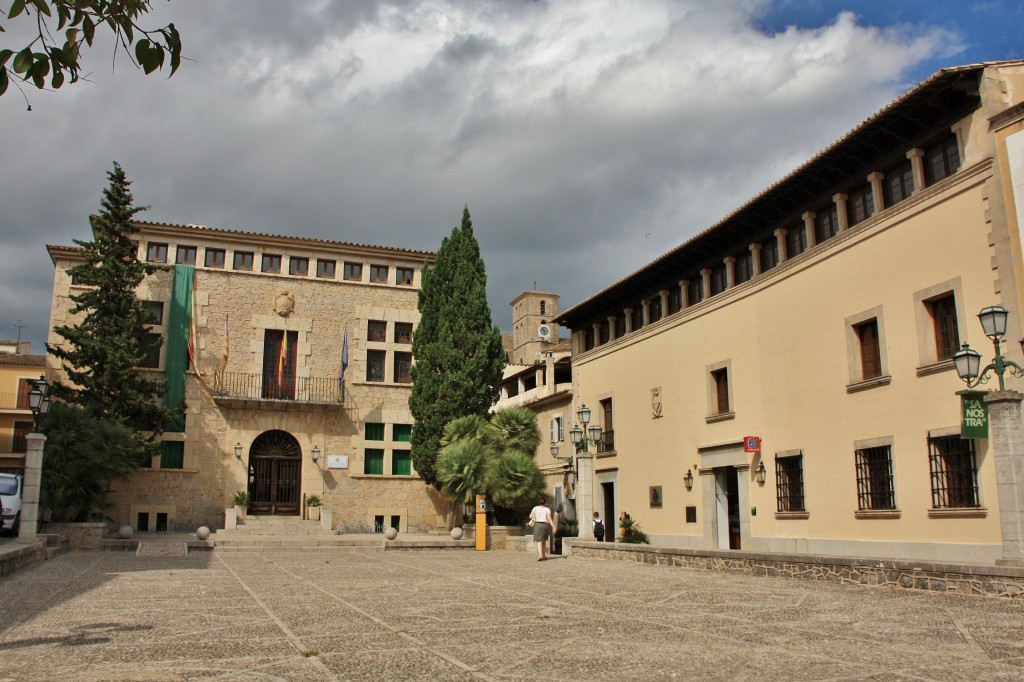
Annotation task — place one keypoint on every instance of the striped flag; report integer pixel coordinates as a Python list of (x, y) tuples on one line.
[(344, 362), (224, 358), (282, 361)]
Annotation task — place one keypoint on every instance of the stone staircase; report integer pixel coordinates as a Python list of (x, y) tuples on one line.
[(256, 532)]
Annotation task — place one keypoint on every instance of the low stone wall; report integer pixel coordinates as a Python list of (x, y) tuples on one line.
[(79, 535), (971, 579), (17, 556), (497, 536)]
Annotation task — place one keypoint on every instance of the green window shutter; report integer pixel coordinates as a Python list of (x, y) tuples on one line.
[(401, 463), (172, 454), (402, 433), (374, 431), (374, 462)]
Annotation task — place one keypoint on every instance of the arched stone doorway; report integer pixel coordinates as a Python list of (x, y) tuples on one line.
[(275, 470)]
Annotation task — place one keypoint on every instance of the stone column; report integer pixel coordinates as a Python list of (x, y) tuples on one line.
[(1006, 439), (755, 259), (629, 319), (916, 157), (812, 236), (841, 213), (684, 293), (877, 195), (780, 239), (585, 495), (730, 271), (611, 328), (30, 491)]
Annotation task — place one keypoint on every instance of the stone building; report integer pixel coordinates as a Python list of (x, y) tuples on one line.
[(783, 381), (18, 370), (292, 356)]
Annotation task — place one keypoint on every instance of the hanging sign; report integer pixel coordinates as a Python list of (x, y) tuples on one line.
[(973, 414), (751, 444)]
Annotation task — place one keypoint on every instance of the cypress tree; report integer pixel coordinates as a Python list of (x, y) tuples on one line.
[(102, 352), (459, 355)]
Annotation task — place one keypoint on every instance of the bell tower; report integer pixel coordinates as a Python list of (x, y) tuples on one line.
[(532, 330)]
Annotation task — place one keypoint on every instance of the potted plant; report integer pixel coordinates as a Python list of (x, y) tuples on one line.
[(240, 501), (313, 507)]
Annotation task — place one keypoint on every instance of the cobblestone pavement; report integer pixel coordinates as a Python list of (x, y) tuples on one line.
[(464, 615)]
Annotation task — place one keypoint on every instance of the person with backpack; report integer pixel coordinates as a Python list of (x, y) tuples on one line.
[(598, 528)]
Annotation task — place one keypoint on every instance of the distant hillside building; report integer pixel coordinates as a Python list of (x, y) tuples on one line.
[(18, 370), (273, 319), (807, 338)]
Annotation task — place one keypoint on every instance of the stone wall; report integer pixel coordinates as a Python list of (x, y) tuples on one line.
[(78, 535), (968, 579)]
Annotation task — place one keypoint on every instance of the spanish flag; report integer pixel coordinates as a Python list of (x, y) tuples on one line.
[(282, 360)]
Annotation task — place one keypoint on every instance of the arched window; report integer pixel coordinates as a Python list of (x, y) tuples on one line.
[(543, 308)]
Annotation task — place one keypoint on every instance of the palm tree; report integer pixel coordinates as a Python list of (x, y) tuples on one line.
[(462, 470), (514, 480), (462, 428), (514, 428)]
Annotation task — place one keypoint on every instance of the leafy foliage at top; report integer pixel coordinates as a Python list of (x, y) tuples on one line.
[(102, 352), (459, 355), (630, 532), (76, 22)]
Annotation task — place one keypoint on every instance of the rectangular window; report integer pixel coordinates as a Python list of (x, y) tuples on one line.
[(898, 184), (653, 312), (875, 490), (298, 266), (675, 301), (769, 254), (947, 336), (215, 258), (25, 387), (172, 454), (401, 463), (796, 241), (941, 160), (325, 268), (403, 367), (826, 224), (186, 255), (620, 325), (353, 271), (19, 441), (401, 433), (375, 365), (377, 330), (373, 462), (156, 253), (744, 267), (608, 427), (870, 353), (243, 260), (588, 338), (374, 431), (557, 432), (861, 205), (271, 263), (280, 358), (403, 332), (638, 317), (695, 290), (954, 471), (403, 276), (152, 342), (154, 312), (720, 381), (719, 279), (789, 483), (379, 273)]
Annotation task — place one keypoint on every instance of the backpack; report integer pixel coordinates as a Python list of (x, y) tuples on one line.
[(598, 528)]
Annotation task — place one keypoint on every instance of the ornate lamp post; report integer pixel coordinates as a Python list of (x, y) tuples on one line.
[(582, 438), (39, 401), (968, 361)]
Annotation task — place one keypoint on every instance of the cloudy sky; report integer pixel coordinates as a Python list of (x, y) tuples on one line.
[(587, 137)]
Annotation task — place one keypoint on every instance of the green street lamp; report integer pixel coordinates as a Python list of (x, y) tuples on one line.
[(968, 361)]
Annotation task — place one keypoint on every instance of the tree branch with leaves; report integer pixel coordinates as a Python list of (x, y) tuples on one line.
[(64, 26)]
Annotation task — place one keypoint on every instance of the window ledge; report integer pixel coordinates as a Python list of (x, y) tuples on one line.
[(958, 513), (386, 477), (792, 515), (725, 416), (161, 470), (936, 367), (869, 384), (877, 514), (609, 453)]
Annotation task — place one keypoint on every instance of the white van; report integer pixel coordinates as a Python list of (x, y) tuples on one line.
[(10, 499)]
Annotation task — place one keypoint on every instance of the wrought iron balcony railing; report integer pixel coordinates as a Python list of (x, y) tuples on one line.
[(267, 387)]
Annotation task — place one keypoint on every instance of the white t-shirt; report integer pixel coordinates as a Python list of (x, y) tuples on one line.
[(541, 514)]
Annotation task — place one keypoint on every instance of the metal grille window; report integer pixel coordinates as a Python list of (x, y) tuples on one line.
[(789, 482), (796, 240), (941, 160), (947, 336), (826, 224), (769, 254), (403, 366), (403, 332), (898, 184), (870, 354), (954, 472), (875, 489), (375, 365), (376, 330)]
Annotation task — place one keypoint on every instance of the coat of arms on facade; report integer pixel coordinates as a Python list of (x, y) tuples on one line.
[(284, 304), (656, 402)]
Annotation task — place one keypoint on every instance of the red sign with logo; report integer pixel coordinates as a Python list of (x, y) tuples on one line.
[(751, 444)]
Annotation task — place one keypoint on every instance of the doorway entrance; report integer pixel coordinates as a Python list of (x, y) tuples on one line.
[(727, 496), (275, 470), (611, 525)]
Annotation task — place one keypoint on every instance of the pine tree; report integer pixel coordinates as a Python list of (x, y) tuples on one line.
[(103, 350), (459, 355)]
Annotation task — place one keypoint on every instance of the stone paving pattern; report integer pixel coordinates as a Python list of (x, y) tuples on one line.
[(347, 614)]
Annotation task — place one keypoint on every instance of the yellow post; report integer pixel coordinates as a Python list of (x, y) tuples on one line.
[(481, 523)]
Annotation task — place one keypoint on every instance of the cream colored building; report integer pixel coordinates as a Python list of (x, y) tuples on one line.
[(18, 370), (267, 409), (820, 319)]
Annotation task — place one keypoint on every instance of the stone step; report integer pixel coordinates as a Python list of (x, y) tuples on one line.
[(299, 541), (282, 530)]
